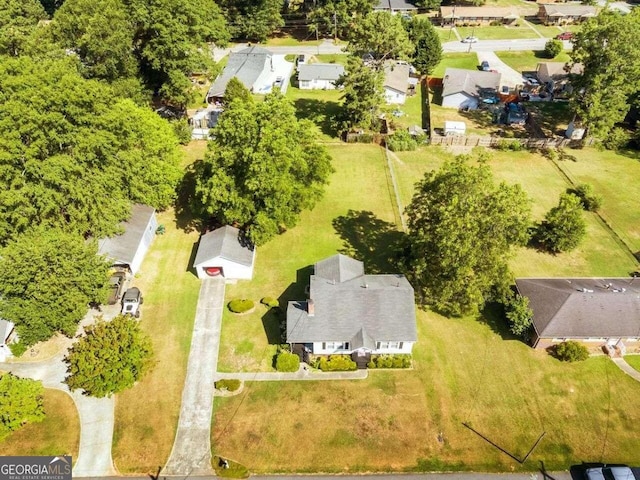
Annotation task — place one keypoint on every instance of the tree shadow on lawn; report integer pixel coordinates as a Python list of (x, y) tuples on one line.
[(320, 112), (185, 219), (375, 242), (493, 316)]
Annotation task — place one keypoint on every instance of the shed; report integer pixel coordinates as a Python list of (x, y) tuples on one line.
[(454, 128), (225, 252), (129, 248)]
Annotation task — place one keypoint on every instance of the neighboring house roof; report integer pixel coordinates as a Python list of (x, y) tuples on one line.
[(568, 10), (396, 76), (351, 306), (556, 70), (246, 65), (393, 5), (478, 12), (123, 248), (320, 71), (583, 307), (225, 242), (458, 80)]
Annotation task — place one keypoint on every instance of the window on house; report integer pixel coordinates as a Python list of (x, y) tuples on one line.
[(335, 345), (389, 345)]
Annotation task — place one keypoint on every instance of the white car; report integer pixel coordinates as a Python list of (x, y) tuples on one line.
[(469, 39)]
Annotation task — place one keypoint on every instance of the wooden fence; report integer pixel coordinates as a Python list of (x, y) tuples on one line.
[(474, 141)]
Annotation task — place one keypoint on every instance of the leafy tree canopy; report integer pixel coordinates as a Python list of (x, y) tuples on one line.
[(519, 315), (461, 229), (109, 358), (252, 19), (552, 48), (236, 90), (607, 46), (49, 278), (382, 35), (21, 402), (72, 155), (337, 17), (18, 20), (563, 227), (262, 168), (428, 49)]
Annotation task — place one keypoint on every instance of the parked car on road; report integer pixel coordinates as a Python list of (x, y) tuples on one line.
[(564, 36), (469, 39)]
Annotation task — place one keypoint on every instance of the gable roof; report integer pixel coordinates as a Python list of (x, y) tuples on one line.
[(568, 9), (556, 70), (458, 80), (320, 71), (224, 242), (246, 65), (396, 76), (393, 5), (583, 307), (123, 248), (352, 307), (478, 12)]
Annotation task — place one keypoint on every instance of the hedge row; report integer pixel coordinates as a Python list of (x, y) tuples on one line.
[(336, 363), (390, 361)]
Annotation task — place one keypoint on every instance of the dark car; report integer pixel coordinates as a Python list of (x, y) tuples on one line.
[(564, 36), (484, 66), (116, 285)]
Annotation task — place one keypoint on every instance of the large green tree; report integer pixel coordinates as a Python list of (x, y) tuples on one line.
[(236, 91), (21, 402), (428, 49), (563, 227), (252, 19), (262, 168), (109, 358), (608, 47), (362, 95), (18, 20), (337, 17), (49, 278), (461, 230), (74, 156), (381, 35)]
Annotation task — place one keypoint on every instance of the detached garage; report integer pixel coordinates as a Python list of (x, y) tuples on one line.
[(128, 250), (224, 253)]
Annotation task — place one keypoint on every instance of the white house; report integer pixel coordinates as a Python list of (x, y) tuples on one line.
[(465, 88), (6, 329), (395, 6), (396, 82), (348, 312), (224, 253), (129, 248), (319, 76)]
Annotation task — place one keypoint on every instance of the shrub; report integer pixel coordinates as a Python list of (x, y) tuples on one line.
[(230, 385), (270, 302), (590, 201), (563, 227), (287, 362), (401, 141), (618, 138), (17, 348), (504, 145), (390, 361), (182, 129), (552, 48), (518, 315), (240, 305), (337, 363), (571, 351)]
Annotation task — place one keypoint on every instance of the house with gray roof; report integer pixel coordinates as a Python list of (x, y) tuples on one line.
[(485, 15), (396, 81), (225, 252), (466, 88), (350, 312), (319, 76), (395, 6), (128, 249), (563, 13), (595, 311)]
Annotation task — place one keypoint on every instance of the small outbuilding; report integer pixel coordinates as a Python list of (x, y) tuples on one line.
[(129, 248), (454, 128), (224, 252)]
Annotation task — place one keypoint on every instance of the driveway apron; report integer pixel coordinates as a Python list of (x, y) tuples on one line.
[(191, 453)]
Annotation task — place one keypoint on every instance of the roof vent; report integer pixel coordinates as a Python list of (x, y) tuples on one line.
[(311, 309)]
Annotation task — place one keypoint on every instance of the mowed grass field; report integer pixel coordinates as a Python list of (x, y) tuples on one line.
[(527, 61), (147, 415), (57, 434)]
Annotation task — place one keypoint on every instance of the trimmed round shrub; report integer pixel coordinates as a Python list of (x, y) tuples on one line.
[(401, 141), (552, 48), (337, 363), (230, 385), (240, 305), (591, 202), (571, 351), (390, 361), (270, 302), (287, 362)]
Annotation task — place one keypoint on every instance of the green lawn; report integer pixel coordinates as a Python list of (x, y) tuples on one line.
[(497, 33), (633, 360), (528, 60), (360, 183), (549, 31), (289, 41), (331, 58), (319, 106), (446, 35), (468, 61)]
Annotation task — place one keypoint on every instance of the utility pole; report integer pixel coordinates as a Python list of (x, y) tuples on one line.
[(335, 27)]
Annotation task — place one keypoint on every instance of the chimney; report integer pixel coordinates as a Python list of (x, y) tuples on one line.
[(311, 309)]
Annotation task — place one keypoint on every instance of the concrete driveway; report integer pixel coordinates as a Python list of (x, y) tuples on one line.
[(191, 453), (509, 76)]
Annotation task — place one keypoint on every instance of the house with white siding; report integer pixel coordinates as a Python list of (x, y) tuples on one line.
[(225, 253), (349, 312), (465, 88), (396, 82), (319, 76)]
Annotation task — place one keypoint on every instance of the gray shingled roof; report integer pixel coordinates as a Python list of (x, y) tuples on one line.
[(122, 248), (478, 12), (583, 307), (224, 242), (246, 65), (396, 76), (361, 308), (320, 71), (339, 268), (394, 5), (458, 80), (569, 9)]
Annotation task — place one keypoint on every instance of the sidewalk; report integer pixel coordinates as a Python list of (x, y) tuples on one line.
[(299, 375)]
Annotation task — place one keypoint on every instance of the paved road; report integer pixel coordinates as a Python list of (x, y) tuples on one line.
[(500, 45), (191, 453)]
